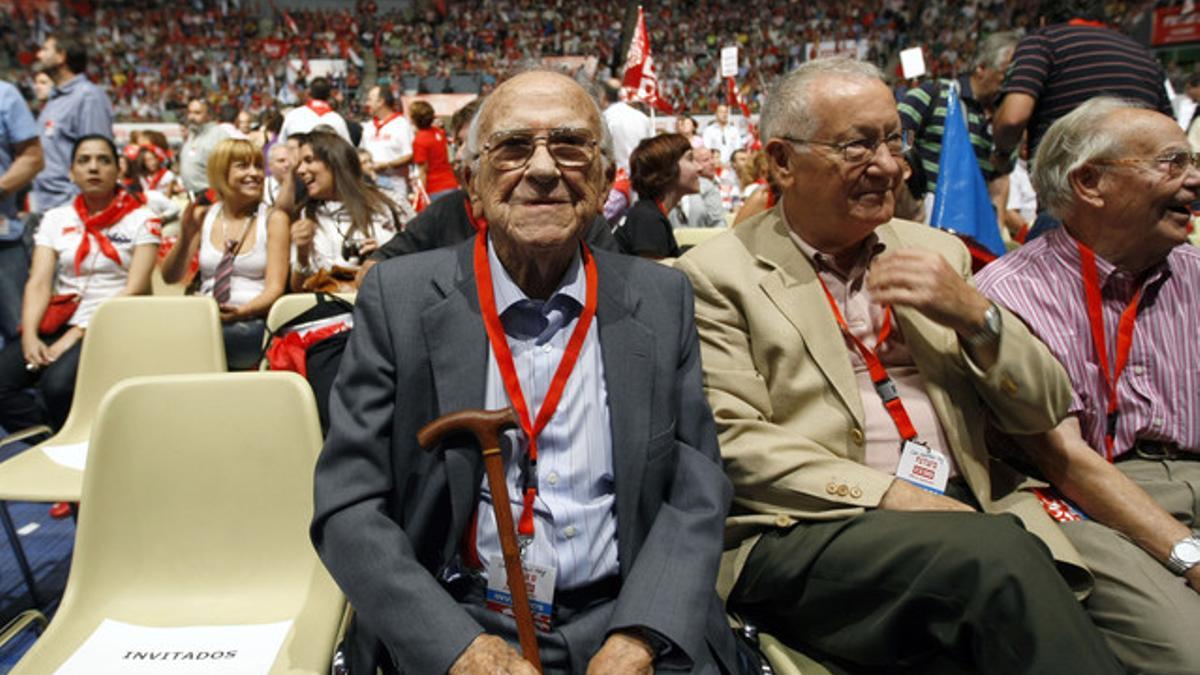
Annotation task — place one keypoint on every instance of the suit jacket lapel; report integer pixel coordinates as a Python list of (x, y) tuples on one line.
[(794, 289), (626, 346), (458, 352)]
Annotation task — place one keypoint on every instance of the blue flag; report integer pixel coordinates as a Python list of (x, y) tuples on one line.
[(961, 203)]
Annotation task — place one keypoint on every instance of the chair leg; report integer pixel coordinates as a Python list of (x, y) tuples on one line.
[(19, 552), (20, 622)]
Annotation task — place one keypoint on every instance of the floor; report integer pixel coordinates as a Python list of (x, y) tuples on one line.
[(47, 543)]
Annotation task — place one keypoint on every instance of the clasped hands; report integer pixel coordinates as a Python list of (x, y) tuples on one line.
[(621, 654)]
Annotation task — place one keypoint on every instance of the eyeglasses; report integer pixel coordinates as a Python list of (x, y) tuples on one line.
[(1174, 164), (511, 150), (861, 150)]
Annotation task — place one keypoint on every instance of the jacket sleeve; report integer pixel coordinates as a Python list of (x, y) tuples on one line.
[(365, 550)]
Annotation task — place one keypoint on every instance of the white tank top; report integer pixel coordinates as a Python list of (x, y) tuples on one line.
[(249, 267)]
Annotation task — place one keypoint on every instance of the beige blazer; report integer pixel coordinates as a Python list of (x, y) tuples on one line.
[(788, 411)]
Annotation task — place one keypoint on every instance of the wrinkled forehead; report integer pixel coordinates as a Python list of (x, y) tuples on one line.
[(843, 106), (538, 101)]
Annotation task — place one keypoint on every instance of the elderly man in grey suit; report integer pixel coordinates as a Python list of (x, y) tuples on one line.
[(627, 514)]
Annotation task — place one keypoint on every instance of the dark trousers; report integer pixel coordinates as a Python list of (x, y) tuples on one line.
[(19, 408), (927, 592)]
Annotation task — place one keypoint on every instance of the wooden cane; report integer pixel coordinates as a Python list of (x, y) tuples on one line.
[(486, 426)]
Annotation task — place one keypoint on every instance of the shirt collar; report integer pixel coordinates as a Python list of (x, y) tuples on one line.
[(573, 286), (870, 247), (1063, 246), (68, 86)]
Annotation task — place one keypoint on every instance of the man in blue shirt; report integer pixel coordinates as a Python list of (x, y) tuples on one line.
[(76, 108), (20, 161)]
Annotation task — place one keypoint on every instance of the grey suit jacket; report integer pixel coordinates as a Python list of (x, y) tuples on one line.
[(389, 515)]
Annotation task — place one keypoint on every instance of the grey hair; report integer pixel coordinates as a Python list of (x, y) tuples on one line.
[(994, 50), (786, 111), (473, 150), (1077, 138)]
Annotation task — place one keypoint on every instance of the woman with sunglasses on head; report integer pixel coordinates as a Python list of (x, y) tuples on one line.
[(243, 248), (100, 245), (344, 217), (662, 171)]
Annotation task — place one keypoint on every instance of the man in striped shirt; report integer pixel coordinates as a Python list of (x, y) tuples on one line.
[(1056, 69), (1118, 280), (923, 112)]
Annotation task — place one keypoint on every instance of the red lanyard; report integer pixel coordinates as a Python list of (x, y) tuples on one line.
[(380, 125), (879, 377), (508, 370), (1091, 290)]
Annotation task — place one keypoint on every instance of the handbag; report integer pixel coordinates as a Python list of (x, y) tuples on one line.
[(335, 280), (58, 313)]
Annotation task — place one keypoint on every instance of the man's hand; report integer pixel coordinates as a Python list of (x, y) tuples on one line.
[(904, 496), (623, 654), (924, 281), (490, 655)]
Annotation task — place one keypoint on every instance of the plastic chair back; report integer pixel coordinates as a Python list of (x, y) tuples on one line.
[(197, 507), (133, 336)]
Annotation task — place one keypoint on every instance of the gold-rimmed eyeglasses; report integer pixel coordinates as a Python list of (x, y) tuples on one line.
[(1174, 164), (860, 150), (511, 150)]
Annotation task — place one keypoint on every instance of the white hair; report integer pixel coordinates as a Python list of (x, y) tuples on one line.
[(786, 111), (1077, 138)]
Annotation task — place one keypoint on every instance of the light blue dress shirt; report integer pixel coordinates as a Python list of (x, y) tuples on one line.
[(575, 519), (76, 109), (16, 126)]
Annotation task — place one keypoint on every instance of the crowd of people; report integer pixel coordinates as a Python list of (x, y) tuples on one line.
[(832, 418), (153, 56)]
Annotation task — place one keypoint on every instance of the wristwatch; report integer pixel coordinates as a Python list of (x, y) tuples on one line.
[(989, 332), (1184, 555)]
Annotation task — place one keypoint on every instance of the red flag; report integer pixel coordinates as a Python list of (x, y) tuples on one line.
[(640, 83), (291, 23), (734, 97)]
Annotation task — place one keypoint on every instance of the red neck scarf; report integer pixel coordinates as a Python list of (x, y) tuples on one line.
[(380, 125), (320, 107), (94, 225), (153, 181)]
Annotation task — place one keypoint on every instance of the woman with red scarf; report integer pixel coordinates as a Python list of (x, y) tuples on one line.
[(100, 245)]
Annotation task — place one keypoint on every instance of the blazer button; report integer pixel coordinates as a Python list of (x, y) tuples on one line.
[(843, 490), (855, 492), (831, 488), (856, 435), (782, 520)]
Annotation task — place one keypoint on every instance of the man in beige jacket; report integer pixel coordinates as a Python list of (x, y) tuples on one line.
[(859, 463)]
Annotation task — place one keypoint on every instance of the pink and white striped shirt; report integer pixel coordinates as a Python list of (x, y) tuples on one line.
[(1158, 395)]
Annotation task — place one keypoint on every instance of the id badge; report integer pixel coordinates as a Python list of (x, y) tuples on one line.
[(924, 467), (539, 584)]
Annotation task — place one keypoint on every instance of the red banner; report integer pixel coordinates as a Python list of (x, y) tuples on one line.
[(640, 82), (1172, 26)]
